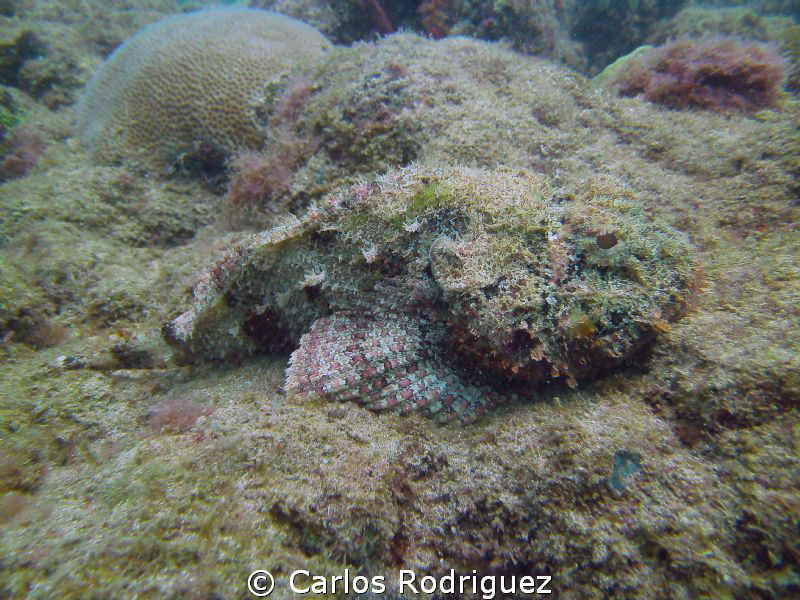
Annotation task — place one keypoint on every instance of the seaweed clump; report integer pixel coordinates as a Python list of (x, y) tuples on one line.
[(721, 74)]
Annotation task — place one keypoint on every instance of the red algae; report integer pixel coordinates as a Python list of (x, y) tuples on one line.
[(723, 74)]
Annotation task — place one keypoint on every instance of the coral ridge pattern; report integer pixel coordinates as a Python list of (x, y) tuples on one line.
[(191, 84)]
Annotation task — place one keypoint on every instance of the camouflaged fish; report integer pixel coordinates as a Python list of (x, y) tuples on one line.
[(445, 290)]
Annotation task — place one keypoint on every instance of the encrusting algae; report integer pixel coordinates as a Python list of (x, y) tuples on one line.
[(430, 287)]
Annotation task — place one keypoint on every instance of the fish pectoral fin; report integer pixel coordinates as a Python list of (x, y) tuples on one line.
[(382, 361)]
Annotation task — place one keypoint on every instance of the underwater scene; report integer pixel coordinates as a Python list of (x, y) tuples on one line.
[(393, 299)]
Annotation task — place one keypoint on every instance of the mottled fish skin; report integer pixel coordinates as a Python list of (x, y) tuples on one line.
[(436, 290), (386, 362)]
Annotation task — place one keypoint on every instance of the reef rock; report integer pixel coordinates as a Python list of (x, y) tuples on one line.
[(404, 286)]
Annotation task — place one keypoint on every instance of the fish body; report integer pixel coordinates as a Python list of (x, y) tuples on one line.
[(443, 289)]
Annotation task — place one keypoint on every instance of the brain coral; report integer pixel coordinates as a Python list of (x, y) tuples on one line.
[(191, 83)]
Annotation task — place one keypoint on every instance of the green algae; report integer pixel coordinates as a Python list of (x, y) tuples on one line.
[(428, 197), (612, 70)]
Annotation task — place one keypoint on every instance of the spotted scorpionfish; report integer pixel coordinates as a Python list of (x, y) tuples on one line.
[(445, 290)]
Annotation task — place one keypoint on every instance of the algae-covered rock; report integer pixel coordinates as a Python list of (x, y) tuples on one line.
[(673, 475), (612, 28), (747, 77), (372, 107), (191, 84), (323, 489), (50, 49), (86, 240), (577, 33), (20, 304), (745, 23), (779, 7), (535, 27), (503, 272)]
